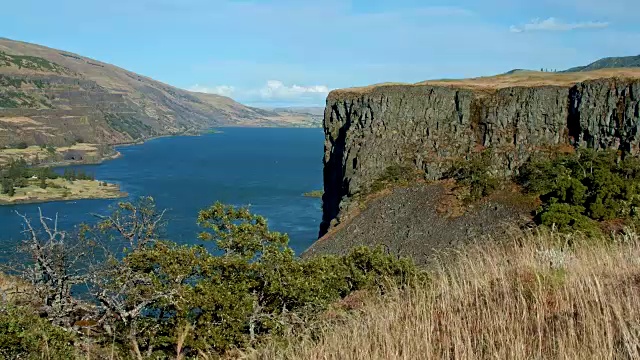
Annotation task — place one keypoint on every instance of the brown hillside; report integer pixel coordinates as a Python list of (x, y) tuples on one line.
[(519, 79), (70, 97)]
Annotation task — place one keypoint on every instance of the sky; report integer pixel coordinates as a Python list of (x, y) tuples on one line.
[(293, 52)]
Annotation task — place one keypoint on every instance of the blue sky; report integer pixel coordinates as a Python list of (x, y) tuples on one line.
[(292, 52)]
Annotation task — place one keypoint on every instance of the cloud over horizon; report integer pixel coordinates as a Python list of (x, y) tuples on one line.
[(273, 91), (277, 90), (224, 90), (553, 24)]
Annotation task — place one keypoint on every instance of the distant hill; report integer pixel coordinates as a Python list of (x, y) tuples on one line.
[(517, 71), (314, 110), (605, 63), (314, 114), (55, 97), (609, 62)]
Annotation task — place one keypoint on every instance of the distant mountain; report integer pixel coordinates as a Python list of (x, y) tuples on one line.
[(517, 71), (313, 114), (609, 62), (54, 97), (315, 110)]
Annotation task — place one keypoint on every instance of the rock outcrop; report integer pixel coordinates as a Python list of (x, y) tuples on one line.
[(429, 125)]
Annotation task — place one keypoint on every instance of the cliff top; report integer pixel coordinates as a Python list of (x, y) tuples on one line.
[(517, 79)]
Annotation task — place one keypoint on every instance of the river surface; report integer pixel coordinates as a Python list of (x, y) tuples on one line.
[(265, 169)]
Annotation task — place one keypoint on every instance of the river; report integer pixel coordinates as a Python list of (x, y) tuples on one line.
[(267, 169)]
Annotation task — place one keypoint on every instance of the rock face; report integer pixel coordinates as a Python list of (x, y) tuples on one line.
[(430, 125)]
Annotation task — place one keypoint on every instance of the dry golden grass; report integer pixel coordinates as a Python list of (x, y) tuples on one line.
[(526, 300), (520, 79), (61, 189), (91, 152)]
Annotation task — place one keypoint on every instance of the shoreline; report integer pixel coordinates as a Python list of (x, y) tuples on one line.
[(57, 164), (63, 190), (121, 195)]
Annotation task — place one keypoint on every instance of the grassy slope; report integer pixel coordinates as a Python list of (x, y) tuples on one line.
[(99, 102), (107, 75), (91, 153), (517, 79), (523, 300), (609, 62)]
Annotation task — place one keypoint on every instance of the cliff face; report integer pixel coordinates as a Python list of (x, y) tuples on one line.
[(429, 125)]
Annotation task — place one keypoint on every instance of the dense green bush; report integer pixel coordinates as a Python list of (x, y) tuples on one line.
[(475, 174), (24, 335), (152, 294), (579, 188), (21, 145), (7, 186), (74, 174), (17, 173)]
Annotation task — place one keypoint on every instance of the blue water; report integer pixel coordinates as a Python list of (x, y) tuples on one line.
[(266, 169)]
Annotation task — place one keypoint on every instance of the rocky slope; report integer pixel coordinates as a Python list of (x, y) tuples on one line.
[(423, 219), (431, 124), (54, 97)]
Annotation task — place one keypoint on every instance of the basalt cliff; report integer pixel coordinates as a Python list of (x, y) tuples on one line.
[(431, 124)]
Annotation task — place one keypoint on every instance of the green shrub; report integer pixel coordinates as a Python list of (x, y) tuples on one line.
[(252, 287), (394, 175), (73, 174), (475, 174), (567, 218), (21, 145), (24, 335), (8, 187), (596, 185)]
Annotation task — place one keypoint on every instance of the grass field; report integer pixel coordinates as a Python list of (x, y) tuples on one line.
[(534, 298), (520, 79), (61, 189), (34, 154)]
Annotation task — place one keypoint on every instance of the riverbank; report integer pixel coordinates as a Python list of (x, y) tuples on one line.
[(78, 154), (62, 190)]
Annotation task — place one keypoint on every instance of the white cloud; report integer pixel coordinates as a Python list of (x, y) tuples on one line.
[(224, 90), (553, 24), (274, 91), (277, 90)]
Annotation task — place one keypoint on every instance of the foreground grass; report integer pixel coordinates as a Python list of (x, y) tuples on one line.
[(535, 298)]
